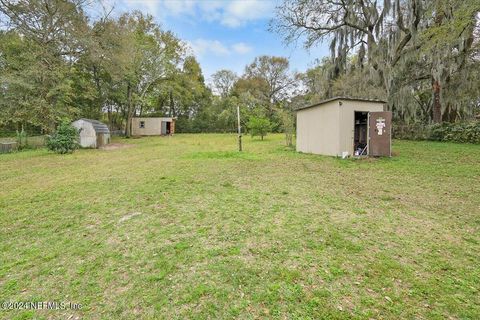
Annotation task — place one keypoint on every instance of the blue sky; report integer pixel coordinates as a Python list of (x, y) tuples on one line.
[(223, 34)]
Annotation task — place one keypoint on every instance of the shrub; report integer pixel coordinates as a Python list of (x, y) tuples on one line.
[(287, 120), (21, 139), (411, 131), (64, 140), (464, 132), (259, 126)]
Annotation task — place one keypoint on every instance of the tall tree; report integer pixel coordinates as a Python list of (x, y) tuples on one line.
[(275, 72), (57, 26), (145, 56), (386, 36), (39, 80), (183, 95), (447, 47), (350, 24), (223, 81)]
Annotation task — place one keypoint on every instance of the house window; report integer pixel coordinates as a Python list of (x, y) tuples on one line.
[(142, 124)]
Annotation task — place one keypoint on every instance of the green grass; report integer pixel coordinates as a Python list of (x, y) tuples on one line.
[(185, 227)]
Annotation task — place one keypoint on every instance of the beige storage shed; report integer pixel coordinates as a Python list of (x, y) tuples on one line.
[(149, 126), (344, 126)]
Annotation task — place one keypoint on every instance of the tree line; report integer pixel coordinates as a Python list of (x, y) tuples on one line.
[(422, 56), (57, 63)]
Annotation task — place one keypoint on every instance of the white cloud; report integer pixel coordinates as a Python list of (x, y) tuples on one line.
[(241, 48), (177, 7), (232, 14), (236, 13), (202, 47), (148, 6)]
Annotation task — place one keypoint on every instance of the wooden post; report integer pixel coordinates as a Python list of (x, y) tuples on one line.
[(239, 129)]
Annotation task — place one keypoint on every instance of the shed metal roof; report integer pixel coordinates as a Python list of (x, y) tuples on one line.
[(339, 98), (98, 126)]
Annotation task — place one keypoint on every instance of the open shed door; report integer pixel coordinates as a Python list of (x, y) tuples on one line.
[(379, 134), (164, 128)]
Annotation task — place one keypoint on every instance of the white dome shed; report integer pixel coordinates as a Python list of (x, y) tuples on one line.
[(93, 133)]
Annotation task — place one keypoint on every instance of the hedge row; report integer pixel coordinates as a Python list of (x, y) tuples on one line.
[(464, 132)]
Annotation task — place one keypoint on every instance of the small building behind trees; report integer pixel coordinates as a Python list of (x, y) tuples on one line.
[(149, 126), (93, 133), (345, 126)]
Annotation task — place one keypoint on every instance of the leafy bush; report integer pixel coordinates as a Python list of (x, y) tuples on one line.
[(64, 140), (259, 126), (468, 132), (411, 131), (464, 132), (287, 119)]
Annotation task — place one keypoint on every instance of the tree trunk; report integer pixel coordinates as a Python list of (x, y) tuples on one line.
[(109, 116), (128, 128), (172, 105), (96, 77), (437, 105)]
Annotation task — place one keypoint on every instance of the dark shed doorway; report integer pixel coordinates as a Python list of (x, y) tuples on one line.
[(372, 133), (169, 128), (360, 137), (166, 128)]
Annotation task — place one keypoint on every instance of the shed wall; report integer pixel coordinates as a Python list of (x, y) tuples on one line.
[(153, 126), (318, 129), (347, 118), (88, 137)]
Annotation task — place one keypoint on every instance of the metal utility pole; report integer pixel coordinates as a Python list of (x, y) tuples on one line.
[(239, 129)]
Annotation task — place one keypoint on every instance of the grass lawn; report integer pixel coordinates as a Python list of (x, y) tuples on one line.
[(185, 227)]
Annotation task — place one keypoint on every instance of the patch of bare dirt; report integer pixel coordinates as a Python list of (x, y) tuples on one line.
[(115, 146)]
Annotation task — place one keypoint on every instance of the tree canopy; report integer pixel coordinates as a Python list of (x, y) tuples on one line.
[(403, 47), (56, 63)]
